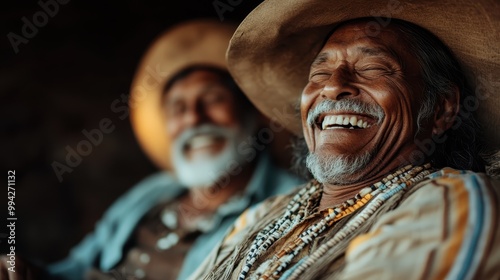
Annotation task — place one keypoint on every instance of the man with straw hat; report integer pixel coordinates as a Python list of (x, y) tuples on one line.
[(194, 122), (388, 91)]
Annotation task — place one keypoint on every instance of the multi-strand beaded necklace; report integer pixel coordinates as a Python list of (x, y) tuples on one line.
[(295, 211)]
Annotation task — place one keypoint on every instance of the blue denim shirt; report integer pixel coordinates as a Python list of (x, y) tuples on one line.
[(104, 247)]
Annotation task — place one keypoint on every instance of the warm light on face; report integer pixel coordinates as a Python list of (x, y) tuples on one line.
[(197, 99), (361, 100), (204, 127)]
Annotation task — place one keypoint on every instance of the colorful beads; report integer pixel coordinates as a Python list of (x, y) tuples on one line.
[(295, 211)]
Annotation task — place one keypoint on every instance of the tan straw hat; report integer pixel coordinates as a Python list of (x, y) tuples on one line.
[(199, 42), (271, 51)]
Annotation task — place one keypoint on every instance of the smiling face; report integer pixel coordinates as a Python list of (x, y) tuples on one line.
[(204, 125), (200, 98), (361, 103)]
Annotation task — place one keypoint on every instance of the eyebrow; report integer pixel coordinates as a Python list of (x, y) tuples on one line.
[(324, 56), (382, 52), (320, 59), (372, 51), (205, 90)]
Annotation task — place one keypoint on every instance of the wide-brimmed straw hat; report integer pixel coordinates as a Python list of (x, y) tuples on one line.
[(199, 42), (271, 51)]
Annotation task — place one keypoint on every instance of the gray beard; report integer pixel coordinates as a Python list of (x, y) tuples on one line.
[(204, 172), (337, 170)]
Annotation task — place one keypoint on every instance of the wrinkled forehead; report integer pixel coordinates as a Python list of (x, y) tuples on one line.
[(361, 35)]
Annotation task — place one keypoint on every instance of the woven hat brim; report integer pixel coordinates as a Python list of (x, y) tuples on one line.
[(272, 49), (198, 42)]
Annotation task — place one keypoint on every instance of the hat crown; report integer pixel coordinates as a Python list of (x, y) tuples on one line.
[(286, 35), (197, 42)]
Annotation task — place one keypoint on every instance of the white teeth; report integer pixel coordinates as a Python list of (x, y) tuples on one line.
[(360, 123), (353, 121), (343, 120), (326, 121), (201, 141)]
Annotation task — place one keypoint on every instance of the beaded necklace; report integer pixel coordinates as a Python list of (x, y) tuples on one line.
[(295, 212)]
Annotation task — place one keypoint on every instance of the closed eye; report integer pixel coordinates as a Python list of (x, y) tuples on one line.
[(373, 72), (214, 98), (176, 109), (319, 77)]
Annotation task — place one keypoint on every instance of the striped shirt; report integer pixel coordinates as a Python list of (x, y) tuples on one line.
[(445, 227)]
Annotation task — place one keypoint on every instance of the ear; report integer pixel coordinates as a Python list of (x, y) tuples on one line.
[(446, 112)]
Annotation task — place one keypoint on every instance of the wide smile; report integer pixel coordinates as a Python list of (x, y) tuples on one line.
[(345, 120), (203, 141)]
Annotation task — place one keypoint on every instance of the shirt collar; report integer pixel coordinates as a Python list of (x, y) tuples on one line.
[(254, 191)]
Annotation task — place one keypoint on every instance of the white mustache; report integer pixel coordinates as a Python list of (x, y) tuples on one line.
[(349, 105)]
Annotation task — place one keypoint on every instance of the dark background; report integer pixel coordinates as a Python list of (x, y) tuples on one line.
[(63, 80)]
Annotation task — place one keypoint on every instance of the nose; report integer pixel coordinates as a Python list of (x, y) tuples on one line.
[(339, 85), (194, 116)]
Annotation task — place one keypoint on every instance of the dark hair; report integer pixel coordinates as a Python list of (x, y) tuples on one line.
[(441, 73), (225, 78), (299, 156)]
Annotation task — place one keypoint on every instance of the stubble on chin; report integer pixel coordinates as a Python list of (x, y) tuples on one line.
[(337, 170)]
